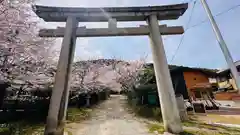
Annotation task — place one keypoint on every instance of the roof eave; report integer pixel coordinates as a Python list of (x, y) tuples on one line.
[(59, 14)]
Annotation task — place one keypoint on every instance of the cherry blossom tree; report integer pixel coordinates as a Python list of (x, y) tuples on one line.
[(128, 74), (116, 74), (22, 52), (87, 75), (25, 58)]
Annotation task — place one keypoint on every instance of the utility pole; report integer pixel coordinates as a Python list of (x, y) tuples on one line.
[(223, 45)]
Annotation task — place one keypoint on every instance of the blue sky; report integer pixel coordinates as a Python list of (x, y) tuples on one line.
[(199, 47)]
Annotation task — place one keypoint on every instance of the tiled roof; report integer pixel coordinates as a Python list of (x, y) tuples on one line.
[(227, 71), (173, 68)]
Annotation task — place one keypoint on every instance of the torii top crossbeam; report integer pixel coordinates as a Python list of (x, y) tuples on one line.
[(60, 14)]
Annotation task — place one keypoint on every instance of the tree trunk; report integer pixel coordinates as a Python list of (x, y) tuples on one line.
[(2, 93), (88, 100)]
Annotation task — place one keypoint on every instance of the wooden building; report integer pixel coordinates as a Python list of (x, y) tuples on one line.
[(193, 78), (225, 79), (186, 79), (227, 85)]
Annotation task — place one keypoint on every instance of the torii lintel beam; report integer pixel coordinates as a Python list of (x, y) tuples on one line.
[(100, 32), (60, 14)]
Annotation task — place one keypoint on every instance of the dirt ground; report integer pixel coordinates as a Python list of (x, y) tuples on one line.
[(224, 115), (110, 118)]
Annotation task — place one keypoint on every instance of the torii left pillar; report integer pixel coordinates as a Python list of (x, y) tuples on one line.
[(60, 92)]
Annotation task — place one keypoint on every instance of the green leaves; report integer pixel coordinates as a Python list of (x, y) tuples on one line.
[(147, 76)]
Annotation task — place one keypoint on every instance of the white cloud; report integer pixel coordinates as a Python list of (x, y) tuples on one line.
[(84, 51)]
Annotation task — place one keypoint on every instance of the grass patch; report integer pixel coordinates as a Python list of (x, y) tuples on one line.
[(196, 128), (145, 111), (156, 128), (202, 132), (22, 128), (228, 119), (78, 114), (148, 112), (195, 132), (4, 131), (68, 132), (25, 127), (209, 129)]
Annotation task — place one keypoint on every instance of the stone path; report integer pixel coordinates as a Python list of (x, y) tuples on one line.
[(110, 118)]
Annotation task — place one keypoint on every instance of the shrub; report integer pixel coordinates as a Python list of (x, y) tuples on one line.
[(144, 95)]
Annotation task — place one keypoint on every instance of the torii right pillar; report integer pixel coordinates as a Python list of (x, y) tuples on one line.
[(170, 112)]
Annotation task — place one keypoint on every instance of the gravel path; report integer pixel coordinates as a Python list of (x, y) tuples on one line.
[(110, 118)]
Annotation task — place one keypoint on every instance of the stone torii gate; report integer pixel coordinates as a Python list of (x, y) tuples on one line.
[(151, 14)]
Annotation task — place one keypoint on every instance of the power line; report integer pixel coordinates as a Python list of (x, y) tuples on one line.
[(203, 21), (183, 35), (220, 13)]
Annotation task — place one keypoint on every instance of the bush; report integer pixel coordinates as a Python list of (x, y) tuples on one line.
[(140, 102), (149, 112), (144, 95)]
